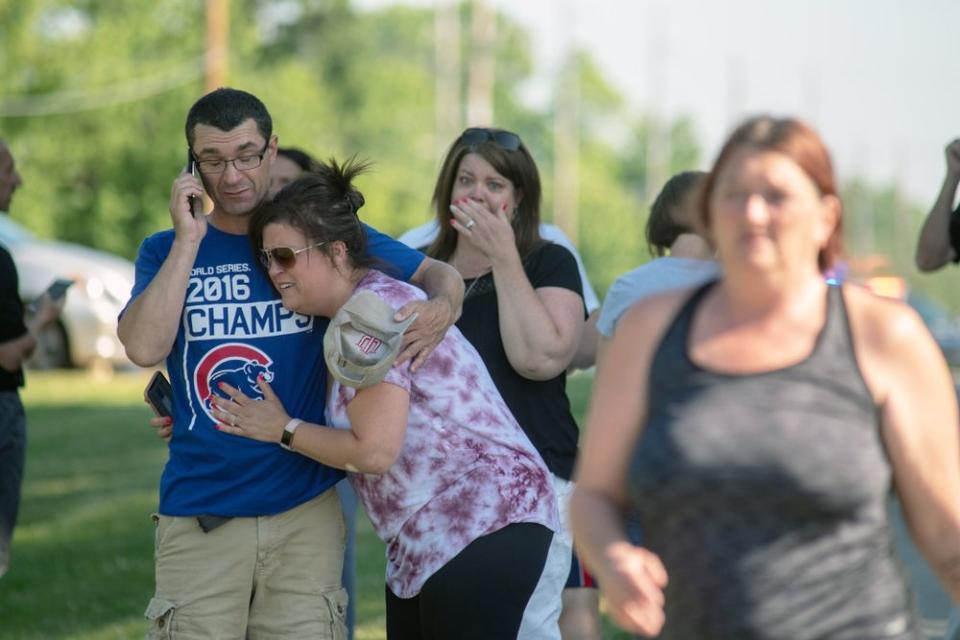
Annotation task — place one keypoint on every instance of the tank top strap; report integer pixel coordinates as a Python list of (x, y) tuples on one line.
[(670, 357), (834, 357), (834, 338)]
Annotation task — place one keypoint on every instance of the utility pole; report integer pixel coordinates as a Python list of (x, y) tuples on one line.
[(446, 38), (483, 36), (735, 82), (903, 231), (215, 60), (868, 234), (566, 137), (658, 150)]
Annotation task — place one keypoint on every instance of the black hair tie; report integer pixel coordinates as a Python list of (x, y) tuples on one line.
[(355, 201)]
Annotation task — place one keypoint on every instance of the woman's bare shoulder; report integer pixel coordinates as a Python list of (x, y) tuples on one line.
[(649, 317), (882, 321)]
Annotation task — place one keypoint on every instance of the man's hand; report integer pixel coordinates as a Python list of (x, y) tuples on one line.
[(163, 427), (185, 225), (434, 317), (48, 310)]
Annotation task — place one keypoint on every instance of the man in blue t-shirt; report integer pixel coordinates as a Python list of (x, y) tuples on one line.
[(249, 538)]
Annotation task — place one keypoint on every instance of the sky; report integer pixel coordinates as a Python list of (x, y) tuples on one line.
[(879, 79)]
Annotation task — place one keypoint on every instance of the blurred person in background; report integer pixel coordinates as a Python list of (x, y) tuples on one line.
[(17, 342), (683, 257), (249, 535), (289, 165), (939, 241), (524, 312), (938, 244), (758, 423)]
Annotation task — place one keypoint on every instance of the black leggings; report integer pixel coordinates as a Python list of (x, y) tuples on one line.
[(481, 594)]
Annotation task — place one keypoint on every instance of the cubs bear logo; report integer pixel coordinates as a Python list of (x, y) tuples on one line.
[(235, 363)]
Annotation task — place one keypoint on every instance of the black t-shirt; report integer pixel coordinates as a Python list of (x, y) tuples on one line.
[(11, 316), (540, 406)]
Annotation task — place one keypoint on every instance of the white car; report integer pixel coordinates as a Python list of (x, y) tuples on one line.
[(86, 334)]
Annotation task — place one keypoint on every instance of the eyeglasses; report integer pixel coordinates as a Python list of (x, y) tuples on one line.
[(286, 257), (503, 139), (243, 163)]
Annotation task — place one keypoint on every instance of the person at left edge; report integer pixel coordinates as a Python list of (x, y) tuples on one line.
[(249, 539), (17, 342)]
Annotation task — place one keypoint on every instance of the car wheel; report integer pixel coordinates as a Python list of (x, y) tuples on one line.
[(53, 349)]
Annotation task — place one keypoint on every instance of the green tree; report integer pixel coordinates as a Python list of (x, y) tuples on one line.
[(90, 101), (94, 109)]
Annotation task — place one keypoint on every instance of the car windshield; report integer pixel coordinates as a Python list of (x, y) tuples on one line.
[(12, 233)]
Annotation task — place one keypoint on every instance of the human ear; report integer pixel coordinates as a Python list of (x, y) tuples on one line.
[(338, 251), (272, 145)]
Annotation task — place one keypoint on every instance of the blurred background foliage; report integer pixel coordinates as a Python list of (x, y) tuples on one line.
[(94, 94)]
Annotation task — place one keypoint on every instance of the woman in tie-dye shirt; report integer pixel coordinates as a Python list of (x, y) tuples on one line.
[(450, 482)]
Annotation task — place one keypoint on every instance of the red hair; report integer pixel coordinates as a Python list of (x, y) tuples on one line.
[(798, 142)]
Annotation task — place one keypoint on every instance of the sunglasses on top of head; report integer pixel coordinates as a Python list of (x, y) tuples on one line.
[(286, 257), (503, 139)]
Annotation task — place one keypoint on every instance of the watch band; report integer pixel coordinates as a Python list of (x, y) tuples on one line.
[(286, 439)]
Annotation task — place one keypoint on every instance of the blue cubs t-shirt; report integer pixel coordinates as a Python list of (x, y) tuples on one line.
[(234, 329)]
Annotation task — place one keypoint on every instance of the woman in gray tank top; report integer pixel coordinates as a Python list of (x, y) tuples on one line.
[(758, 423)]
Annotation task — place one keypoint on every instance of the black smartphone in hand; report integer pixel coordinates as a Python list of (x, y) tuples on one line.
[(59, 288), (159, 395), (196, 207), (56, 291)]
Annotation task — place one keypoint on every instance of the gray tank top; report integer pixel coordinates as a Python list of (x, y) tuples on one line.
[(765, 496)]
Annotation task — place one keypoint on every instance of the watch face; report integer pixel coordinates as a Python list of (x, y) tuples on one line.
[(287, 437)]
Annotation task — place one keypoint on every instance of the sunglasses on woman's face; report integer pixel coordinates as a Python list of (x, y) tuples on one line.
[(503, 139), (286, 257)]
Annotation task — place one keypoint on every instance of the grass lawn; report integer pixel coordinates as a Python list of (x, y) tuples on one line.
[(82, 566)]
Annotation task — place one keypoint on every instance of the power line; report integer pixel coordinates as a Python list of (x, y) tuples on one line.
[(75, 101)]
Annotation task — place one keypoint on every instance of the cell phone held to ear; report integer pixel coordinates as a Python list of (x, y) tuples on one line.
[(159, 395), (196, 206)]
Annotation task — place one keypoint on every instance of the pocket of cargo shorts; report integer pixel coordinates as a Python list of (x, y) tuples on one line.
[(160, 615), (163, 529), (337, 606)]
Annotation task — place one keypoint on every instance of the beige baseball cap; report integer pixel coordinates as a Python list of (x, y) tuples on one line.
[(363, 340)]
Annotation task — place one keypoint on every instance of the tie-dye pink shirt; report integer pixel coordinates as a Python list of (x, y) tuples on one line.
[(466, 468)]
